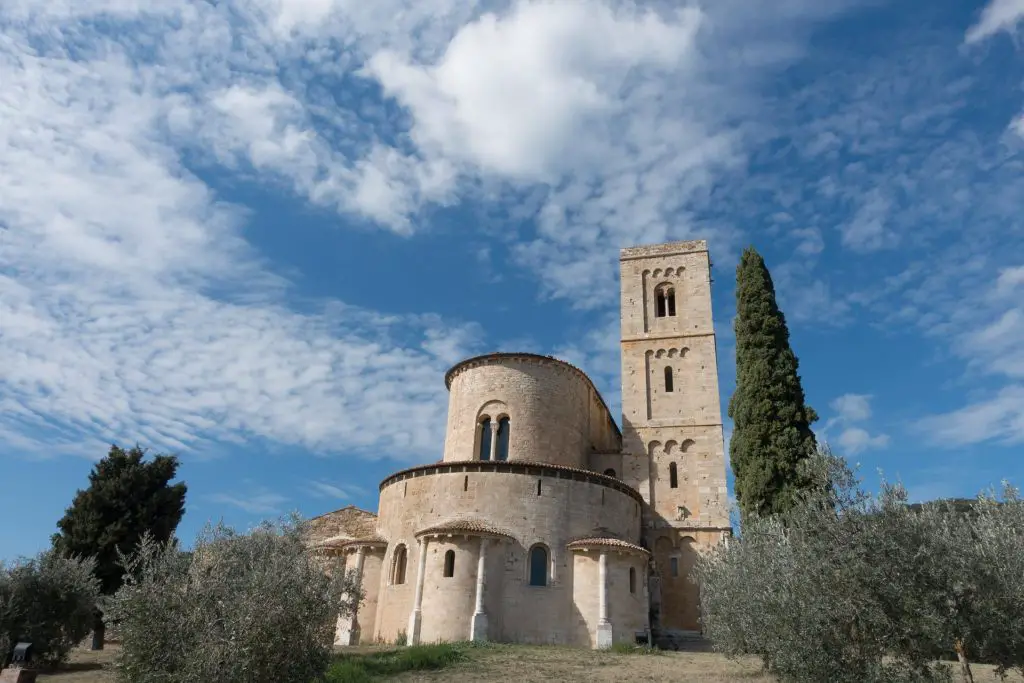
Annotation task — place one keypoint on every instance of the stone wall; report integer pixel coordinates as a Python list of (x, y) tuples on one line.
[(555, 413), (565, 509)]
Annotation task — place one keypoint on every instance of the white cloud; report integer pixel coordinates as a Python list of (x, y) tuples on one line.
[(852, 407), (854, 440), (516, 94), (868, 230), (111, 252), (998, 15), (999, 418), (323, 489), (262, 502)]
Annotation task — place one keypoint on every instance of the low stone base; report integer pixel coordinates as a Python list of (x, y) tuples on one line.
[(479, 628), (604, 635), (17, 676)]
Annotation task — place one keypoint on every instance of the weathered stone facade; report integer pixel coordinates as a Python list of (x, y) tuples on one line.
[(543, 523)]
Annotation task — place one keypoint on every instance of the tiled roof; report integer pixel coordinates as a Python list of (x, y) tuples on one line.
[(471, 526), (606, 543), (342, 541), (347, 523)]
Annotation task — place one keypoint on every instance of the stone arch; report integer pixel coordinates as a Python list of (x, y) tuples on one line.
[(686, 445), (652, 448), (670, 446), (610, 472)]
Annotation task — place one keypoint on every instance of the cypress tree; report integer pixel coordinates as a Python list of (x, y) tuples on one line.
[(126, 499), (771, 422)]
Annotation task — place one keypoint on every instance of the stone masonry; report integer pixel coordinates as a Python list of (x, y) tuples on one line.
[(543, 523)]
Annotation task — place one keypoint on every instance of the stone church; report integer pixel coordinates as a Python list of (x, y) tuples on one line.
[(544, 522)]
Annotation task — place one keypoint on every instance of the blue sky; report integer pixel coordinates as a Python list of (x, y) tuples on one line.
[(256, 232)]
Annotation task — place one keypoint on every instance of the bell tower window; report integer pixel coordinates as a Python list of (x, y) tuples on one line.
[(664, 301), (668, 380)]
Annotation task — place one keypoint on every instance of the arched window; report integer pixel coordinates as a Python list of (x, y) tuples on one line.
[(449, 563), (664, 301), (398, 567), (485, 439), (673, 475), (538, 566), (668, 379), (609, 472), (632, 579), (501, 453)]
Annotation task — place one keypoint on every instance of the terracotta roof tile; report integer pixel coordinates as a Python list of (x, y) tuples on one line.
[(464, 525), (606, 543)]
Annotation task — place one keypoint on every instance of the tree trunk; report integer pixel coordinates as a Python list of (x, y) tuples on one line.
[(99, 630), (965, 666)]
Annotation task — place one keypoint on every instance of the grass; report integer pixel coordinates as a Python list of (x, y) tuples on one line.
[(362, 667), (496, 663)]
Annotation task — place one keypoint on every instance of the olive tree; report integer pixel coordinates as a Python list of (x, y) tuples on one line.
[(47, 600), (238, 608)]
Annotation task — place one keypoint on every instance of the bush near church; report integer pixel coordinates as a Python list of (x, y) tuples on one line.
[(239, 608), (849, 587), (47, 600)]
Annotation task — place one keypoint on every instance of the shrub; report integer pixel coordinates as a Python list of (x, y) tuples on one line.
[(240, 608), (48, 601), (848, 587)]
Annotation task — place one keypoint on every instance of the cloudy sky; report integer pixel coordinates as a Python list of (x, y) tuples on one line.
[(256, 232)]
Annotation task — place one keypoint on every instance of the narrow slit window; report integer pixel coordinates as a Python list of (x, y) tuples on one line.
[(501, 452), (673, 476), (670, 301), (668, 380), (660, 306), (465, 483), (398, 572), (538, 487), (674, 566), (449, 564), (632, 579), (485, 439)]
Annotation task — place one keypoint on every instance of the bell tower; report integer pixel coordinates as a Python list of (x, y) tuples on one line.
[(672, 414), (672, 440)]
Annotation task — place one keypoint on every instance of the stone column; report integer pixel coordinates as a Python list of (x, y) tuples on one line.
[(478, 630), (415, 619), (604, 626), (355, 632), (494, 439)]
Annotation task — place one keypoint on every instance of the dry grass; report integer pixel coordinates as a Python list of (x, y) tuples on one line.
[(529, 664)]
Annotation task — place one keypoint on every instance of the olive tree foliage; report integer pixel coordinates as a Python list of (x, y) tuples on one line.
[(47, 600), (852, 587), (238, 608)]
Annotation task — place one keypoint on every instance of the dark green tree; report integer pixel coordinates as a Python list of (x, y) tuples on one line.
[(771, 421), (126, 499)]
